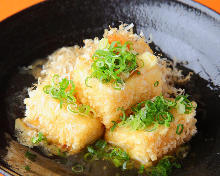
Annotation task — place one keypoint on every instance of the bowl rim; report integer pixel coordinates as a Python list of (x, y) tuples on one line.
[(196, 5), (191, 3)]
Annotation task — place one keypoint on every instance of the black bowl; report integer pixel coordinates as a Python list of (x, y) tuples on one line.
[(181, 29)]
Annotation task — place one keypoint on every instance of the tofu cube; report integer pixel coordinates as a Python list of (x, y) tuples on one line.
[(147, 147), (105, 100), (68, 130)]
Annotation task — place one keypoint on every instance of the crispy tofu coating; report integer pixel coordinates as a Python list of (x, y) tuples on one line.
[(67, 130), (147, 147), (103, 97)]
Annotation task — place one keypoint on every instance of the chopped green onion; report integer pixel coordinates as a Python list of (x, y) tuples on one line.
[(102, 150), (58, 90), (77, 168), (141, 169), (142, 63), (46, 89), (101, 144), (116, 162), (63, 91), (179, 129), (75, 110), (123, 117), (184, 106), (85, 109), (81, 109), (40, 137), (118, 85), (111, 61), (154, 112), (88, 157), (55, 79), (62, 154), (27, 168), (164, 166), (114, 126), (91, 150), (180, 108), (147, 115), (154, 128), (86, 82), (124, 166), (30, 156), (156, 83)]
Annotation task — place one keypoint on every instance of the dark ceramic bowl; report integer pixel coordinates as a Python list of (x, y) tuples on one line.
[(181, 29)]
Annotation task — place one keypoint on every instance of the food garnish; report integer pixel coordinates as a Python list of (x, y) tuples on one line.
[(39, 138), (164, 166), (27, 168), (77, 168), (141, 169), (156, 83), (30, 156), (113, 63), (61, 90), (64, 90), (102, 150), (148, 115), (179, 129)]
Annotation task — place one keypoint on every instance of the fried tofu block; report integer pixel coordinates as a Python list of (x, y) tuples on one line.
[(147, 147), (105, 100), (66, 129)]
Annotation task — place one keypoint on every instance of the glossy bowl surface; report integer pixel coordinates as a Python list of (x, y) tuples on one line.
[(182, 30)]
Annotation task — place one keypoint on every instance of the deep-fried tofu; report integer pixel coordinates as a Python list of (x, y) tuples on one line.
[(61, 127), (102, 97), (147, 147), (105, 100)]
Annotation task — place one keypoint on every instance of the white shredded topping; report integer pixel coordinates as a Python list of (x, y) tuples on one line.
[(130, 26)]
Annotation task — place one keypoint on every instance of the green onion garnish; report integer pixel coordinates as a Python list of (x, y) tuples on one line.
[(77, 168), (27, 168), (88, 157), (40, 137), (62, 154), (101, 150), (165, 166), (116, 162), (61, 90), (124, 166), (114, 125), (81, 109), (86, 82), (147, 115), (141, 169), (123, 117), (30, 156), (110, 61), (156, 83), (179, 129), (183, 105), (101, 144)]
